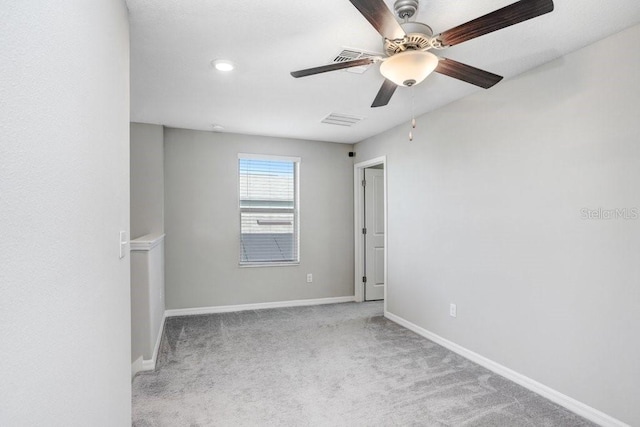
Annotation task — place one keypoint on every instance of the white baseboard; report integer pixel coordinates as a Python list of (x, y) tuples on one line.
[(141, 365), (256, 306), (156, 347), (149, 364), (136, 367), (555, 396)]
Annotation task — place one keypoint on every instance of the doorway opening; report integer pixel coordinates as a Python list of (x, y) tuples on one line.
[(370, 219)]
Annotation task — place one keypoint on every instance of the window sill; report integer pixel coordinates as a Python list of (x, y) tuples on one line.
[(269, 264)]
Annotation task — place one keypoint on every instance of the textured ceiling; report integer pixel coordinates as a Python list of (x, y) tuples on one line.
[(174, 41)]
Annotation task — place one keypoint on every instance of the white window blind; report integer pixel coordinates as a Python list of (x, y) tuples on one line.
[(268, 210)]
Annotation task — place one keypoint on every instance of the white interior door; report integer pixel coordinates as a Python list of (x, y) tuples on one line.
[(374, 234)]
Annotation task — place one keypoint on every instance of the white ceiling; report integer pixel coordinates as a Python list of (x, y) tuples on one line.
[(174, 41)]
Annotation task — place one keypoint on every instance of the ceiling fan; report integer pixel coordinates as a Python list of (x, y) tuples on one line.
[(407, 44)]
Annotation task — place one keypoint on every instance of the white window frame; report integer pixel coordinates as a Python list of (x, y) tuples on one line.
[(296, 217)]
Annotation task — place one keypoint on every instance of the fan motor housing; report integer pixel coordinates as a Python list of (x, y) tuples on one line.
[(418, 37)]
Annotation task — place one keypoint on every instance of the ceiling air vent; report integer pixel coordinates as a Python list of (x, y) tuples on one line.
[(348, 54), (341, 119)]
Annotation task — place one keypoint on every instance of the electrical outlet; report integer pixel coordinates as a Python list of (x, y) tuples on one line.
[(309, 277), (453, 310)]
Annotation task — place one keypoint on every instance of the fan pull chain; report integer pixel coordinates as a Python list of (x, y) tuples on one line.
[(413, 113)]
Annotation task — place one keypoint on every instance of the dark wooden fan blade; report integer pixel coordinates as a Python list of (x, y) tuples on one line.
[(467, 73), (497, 20), (384, 94), (333, 67), (382, 19)]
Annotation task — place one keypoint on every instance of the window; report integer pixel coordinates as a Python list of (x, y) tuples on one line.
[(268, 209)]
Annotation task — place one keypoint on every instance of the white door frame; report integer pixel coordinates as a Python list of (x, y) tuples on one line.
[(358, 213)]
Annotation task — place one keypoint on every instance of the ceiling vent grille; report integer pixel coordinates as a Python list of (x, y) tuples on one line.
[(348, 54), (341, 119)]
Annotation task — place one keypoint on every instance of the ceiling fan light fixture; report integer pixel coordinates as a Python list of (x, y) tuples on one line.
[(409, 68)]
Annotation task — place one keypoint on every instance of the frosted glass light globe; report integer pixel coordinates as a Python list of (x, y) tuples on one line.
[(409, 68)]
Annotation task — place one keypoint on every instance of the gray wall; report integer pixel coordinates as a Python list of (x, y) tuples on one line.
[(147, 217), (485, 212), (147, 302), (202, 221), (147, 179), (140, 320), (64, 197)]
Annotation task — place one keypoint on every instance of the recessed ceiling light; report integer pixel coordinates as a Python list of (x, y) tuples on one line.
[(217, 128), (222, 64)]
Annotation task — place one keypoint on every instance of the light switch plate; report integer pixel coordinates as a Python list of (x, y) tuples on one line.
[(123, 244)]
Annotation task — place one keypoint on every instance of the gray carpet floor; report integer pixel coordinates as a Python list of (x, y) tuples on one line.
[(330, 365)]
